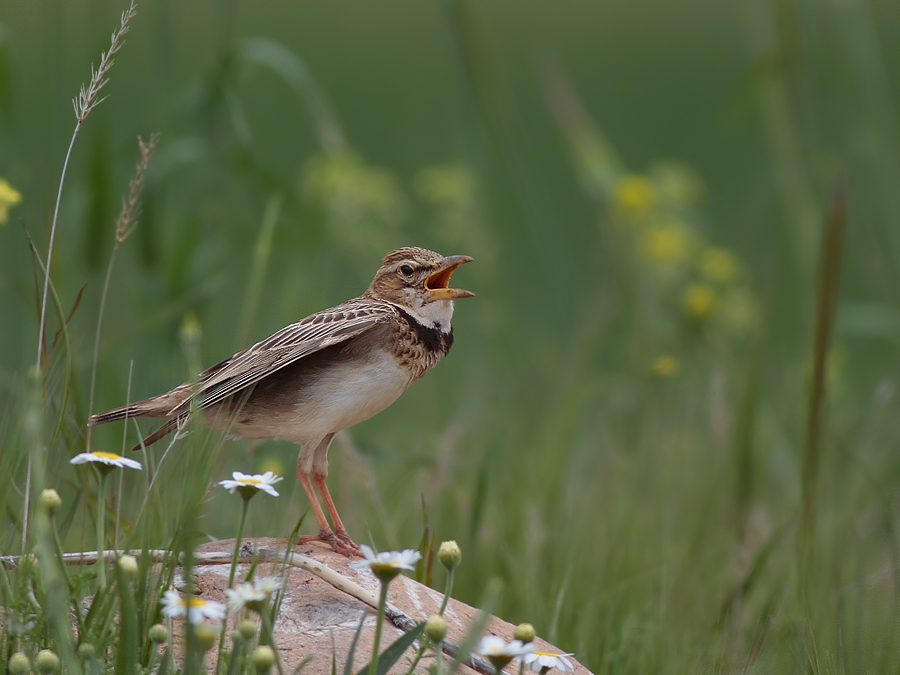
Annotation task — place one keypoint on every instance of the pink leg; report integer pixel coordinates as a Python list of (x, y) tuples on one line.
[(340, 530), (326, 534)]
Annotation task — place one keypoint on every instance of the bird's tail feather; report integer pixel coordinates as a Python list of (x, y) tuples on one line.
[(117, 414), (162, 432)]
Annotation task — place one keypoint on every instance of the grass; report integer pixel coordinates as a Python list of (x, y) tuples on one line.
[(667, 424)]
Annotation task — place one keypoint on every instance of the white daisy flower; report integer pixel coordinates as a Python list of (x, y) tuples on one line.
[(491, 645), (105, 458), (248, 484), (195, 609), (499, 652), (387, 564), (541, 662), (252, 595)]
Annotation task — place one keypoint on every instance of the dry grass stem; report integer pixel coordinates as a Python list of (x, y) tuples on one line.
[(124, 226), (87, 98), (131, 205)]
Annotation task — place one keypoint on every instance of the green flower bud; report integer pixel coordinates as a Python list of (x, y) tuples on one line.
[(86, 650), (128, 564), (19, 664), (47, 662), (524, 633), (236, 637), (449, 554), (28, 563), (435, 628), (206, 636), (263, 658), (158, 633), (247, 629), (50, 500)]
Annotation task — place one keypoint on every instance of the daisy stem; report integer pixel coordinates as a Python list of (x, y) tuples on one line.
[(382, 602), (237, 542), (447, 591), (270, 639), (101, 518)]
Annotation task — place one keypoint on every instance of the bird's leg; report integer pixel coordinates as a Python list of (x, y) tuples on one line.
[(326, 534), (339, 530)]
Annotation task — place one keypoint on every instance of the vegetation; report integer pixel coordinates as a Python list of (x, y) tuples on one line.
[(668, 421)]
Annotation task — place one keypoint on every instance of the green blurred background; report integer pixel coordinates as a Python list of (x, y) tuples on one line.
[(620, 428)]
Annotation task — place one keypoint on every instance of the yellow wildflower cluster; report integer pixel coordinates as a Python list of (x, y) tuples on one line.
[(656, 211), (9, 197)]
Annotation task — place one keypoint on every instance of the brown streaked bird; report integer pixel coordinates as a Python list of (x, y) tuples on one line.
[(324, 373)]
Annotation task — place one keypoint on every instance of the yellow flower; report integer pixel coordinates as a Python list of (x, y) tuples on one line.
[(718, 265), (699, 300), (664, 365), (446, 185), (9, 196), (666, 243), (677, 183), (271, 464), (634, 196)]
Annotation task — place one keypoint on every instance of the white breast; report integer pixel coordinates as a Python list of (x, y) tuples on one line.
[(345, 394)]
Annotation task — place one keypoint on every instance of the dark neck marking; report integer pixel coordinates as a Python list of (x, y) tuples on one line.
[(433, 339)]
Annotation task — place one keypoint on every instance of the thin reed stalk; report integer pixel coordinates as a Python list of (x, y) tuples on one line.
[(88, 99), (826, 300), (124, 227)]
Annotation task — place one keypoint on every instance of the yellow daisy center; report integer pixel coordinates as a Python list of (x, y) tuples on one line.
[(106, 455), (195, 602), (251, 481)]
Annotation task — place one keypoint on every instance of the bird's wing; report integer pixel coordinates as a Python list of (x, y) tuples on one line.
[(315, 332)]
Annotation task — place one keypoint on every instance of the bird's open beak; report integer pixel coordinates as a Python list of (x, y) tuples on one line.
[(438, 283)]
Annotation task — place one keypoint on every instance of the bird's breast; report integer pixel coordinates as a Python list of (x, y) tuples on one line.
[(329, 399)]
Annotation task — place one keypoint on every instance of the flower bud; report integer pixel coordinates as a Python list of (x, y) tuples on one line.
[(449, 554), (19, 664), (263, 658), (86, 650), (128, 564), (524, 633), (247, 629), (435, 628), (206, 636), (158, 634), (47, 662), (50, 500)]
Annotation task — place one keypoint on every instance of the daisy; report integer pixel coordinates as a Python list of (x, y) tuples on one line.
[(252, 595), (107, 459), (248, 485), (195, 609), (541, 662), (499, 652), (387, 564)]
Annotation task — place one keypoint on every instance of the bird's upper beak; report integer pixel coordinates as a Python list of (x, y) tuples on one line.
[(437, 285)]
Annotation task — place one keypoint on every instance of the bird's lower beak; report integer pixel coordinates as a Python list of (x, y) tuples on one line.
[(438, 283)]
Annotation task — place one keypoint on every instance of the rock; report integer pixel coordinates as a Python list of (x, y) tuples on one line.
[(318, 620)]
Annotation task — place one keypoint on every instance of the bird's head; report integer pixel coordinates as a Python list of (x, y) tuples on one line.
[(420, 280)]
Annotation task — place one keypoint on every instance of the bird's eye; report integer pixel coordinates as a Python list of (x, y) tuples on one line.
[(407, 270)]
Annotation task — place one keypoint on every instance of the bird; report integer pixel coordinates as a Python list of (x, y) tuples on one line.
[(325, 373)]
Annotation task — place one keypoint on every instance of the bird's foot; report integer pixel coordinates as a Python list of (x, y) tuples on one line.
[(339, 544), (345, 539)]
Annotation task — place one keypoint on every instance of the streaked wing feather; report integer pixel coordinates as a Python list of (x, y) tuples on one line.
[(312, 334)]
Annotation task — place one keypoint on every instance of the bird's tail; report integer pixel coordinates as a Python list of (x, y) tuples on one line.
[(159, 407), (117, 414)]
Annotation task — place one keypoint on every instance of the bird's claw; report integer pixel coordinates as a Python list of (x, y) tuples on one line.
[(339, 543)]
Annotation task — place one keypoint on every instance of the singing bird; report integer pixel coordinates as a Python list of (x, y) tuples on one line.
[(327, 372)]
